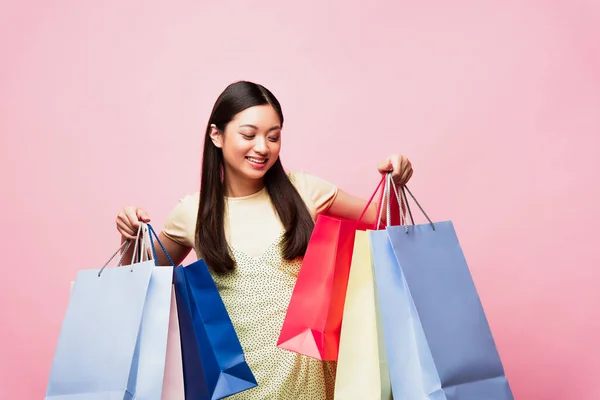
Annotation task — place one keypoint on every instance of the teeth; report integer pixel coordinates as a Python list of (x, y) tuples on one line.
[(254, 160)]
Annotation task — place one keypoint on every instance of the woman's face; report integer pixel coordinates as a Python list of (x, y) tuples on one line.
[(250, 143)]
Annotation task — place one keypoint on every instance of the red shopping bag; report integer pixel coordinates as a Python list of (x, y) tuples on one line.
[(313, 320)]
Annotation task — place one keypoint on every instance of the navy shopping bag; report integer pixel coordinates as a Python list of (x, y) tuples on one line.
[(438, 340), (214, 365), (112, 343)]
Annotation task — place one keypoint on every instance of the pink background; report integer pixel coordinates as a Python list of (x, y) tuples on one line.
[(103, 104)]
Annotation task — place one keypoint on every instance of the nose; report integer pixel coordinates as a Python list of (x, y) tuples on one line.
[(260, 145)]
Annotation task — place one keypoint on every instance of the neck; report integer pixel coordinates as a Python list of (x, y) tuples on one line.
[(236, 186)]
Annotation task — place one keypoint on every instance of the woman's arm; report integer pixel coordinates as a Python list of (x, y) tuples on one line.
[(347, 206)]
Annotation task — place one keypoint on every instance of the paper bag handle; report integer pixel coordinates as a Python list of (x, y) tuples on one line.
[(401, 196), (152, 232), (124, 246), (362, 214)]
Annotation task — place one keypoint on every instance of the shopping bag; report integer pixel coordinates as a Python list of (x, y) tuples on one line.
[(438, 341), (314, 316), (154, 332), (101, 352), (362, 372), (173, 385), (214, 365)]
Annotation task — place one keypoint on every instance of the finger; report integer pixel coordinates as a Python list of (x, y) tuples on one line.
[(397, 169), (403, 170), (142, 215), (385, 166), (132, 220), (404, 178), (125, 230), (409, 175)]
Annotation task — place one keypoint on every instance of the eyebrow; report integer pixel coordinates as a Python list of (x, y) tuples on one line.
[(273, 128)]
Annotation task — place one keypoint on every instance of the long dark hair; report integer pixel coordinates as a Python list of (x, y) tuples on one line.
[(210, 231)]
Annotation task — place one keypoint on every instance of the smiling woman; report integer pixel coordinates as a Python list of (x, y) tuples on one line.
[(251, 222), (252, 138), (243, 142)]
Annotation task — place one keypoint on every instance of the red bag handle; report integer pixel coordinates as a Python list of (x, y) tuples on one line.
[(376, 224)]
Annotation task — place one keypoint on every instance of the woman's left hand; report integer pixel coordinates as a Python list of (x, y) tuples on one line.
[(399, 166)]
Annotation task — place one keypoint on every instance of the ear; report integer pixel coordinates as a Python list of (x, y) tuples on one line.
[(216, 136)]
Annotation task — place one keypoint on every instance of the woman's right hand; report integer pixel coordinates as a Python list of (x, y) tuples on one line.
[(128, 221)]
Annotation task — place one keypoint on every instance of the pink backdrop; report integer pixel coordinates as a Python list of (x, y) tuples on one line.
[(103, 104)]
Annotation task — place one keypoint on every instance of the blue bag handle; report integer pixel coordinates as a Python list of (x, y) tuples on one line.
[(152, 232)]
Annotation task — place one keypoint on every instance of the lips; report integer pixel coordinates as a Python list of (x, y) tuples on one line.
[(257, 163), (255, 160)]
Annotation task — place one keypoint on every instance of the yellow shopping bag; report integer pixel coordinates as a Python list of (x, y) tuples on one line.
[(362, 370)]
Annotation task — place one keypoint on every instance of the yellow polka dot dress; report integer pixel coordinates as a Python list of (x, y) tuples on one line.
[(257, 293), (256, 296)]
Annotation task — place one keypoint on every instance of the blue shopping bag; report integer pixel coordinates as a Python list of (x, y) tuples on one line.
[(112, 343), (153, 336), (438, 340), (214, 365)]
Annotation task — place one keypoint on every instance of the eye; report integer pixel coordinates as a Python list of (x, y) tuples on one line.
[(274, 139), (247, 136)]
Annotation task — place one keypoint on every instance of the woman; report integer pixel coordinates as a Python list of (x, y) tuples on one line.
[(251, 222)]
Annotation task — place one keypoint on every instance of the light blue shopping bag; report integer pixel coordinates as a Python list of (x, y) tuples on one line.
[(112, 344), (439, 344)]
